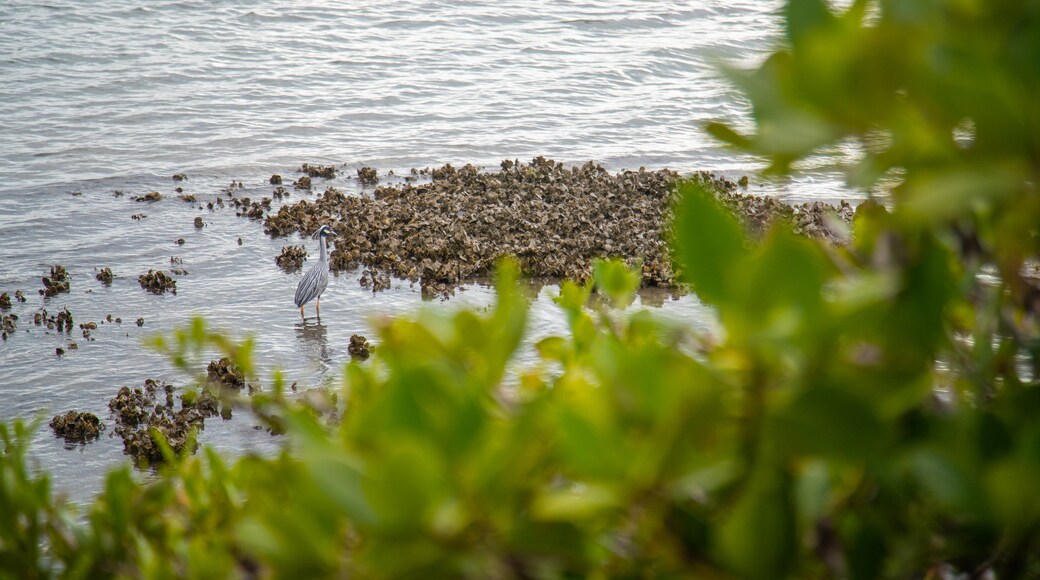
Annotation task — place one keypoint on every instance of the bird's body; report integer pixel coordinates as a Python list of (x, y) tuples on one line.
[(316, 279)]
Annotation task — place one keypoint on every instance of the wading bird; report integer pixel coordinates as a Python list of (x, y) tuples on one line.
[(316, 279)]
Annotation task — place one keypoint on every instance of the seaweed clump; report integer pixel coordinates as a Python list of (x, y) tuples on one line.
[(157, 282), (77, 427), (291, 258)]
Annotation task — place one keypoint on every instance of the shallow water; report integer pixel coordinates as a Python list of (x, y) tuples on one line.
[(118, 95)]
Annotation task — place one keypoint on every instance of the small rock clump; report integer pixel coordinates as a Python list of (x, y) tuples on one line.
[(77, 427), (57, 282), (224, 372), (150, 196), (198, 222), (302, 183), (179, 177), (275, 179), (5, 301), (325, 171), (138, 411), (291, 258), (105, 276), (157, 282), (367, 176), (19, 296), (359, 347)]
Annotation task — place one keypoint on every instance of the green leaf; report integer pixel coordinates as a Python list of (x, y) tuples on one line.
[(853, 432), (577, 503), (757, 539), (616, 280), (782, 284), (805, 17), (709, 243)]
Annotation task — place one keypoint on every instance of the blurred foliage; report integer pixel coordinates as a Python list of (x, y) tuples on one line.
[(867, 411)]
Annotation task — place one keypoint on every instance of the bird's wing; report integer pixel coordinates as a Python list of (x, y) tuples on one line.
[(308, 287)]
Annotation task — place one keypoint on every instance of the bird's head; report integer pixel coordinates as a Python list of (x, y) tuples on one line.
[(324, 232)]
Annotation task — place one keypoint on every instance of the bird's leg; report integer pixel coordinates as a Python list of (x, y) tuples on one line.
[(317, 307), (301, 312)]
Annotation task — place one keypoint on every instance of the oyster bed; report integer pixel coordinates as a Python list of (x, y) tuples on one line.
[(554, 219)]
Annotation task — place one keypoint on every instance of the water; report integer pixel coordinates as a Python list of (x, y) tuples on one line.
[(118, 95)]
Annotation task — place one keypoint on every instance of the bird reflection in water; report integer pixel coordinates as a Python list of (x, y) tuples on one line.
[(314, 338)]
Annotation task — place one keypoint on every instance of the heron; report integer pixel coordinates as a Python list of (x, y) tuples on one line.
[(316, 279)]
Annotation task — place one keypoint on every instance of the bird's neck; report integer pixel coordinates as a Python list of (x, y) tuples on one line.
[(323, 253)]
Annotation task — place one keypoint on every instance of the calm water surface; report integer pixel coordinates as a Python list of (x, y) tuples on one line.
[(112, 95)]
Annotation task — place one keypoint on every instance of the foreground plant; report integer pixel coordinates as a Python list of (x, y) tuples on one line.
[(863, 412)]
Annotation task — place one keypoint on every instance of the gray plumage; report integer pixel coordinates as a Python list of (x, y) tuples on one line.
[(316, 279)]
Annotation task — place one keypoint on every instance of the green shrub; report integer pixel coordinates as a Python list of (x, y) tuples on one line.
[(863, 412)]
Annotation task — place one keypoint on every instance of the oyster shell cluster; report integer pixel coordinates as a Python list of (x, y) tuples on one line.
[(291, 258), (57, 282), (139, 410), (157, 282), (105, 276), (224, 372), (359, 347), (77, 427), (554, 220)]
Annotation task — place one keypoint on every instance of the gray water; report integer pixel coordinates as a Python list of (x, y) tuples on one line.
[(113, 95)]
